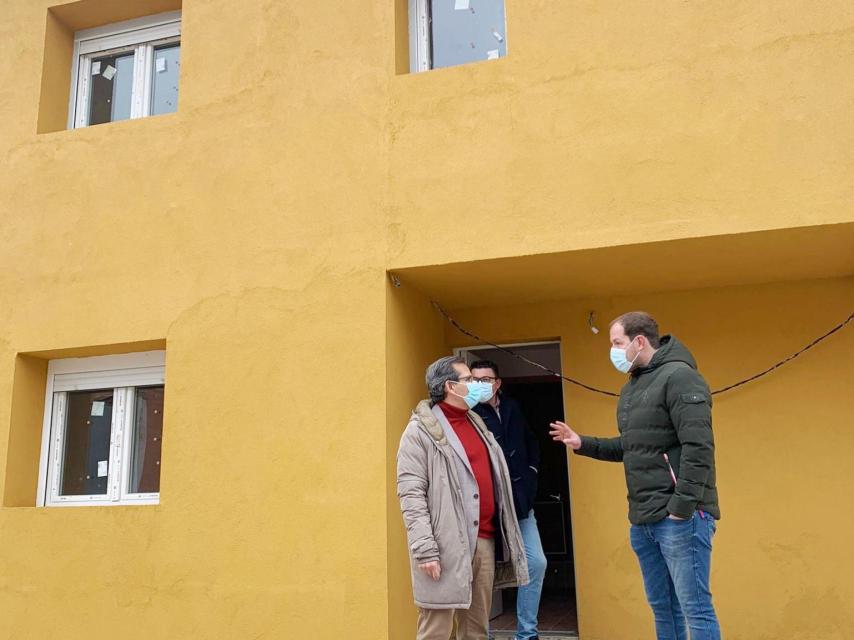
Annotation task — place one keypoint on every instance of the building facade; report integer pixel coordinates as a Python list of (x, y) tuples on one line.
[(238, 214)]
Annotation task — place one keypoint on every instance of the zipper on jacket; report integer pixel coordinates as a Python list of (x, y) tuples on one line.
[(670, 468), (673, 477)]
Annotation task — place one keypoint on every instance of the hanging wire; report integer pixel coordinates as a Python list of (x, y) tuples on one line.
[(611, 394), (788, 359), (518, 356)]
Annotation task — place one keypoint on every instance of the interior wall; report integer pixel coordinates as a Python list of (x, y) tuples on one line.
[(782, 444), (414, 339)]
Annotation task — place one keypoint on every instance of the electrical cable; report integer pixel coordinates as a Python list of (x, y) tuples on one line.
[(611, 394), (465, 331)]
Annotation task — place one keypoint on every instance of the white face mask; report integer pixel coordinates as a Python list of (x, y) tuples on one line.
[(620, 360), (487, 392)]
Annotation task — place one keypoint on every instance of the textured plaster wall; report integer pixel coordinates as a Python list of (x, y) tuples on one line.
[(414, 338), (246, 232), (251, 231), (779, 566), (616, 122)]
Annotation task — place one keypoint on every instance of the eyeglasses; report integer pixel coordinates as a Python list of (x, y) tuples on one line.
[(486, 379)]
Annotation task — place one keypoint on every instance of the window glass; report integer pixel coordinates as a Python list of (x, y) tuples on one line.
[(467, 31), (111, 88), (147, 438), (88, 420), (164, 85)]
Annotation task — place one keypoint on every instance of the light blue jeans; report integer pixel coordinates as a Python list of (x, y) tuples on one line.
[(675, 559), (528, 597)]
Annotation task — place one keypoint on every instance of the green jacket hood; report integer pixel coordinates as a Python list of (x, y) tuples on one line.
[(671, 350)]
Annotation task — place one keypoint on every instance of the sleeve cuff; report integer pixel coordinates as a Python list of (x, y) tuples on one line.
[(681, 507), (588, 447)]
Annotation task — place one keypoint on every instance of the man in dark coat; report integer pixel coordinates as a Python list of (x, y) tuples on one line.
[(504, 419), (666, 445)]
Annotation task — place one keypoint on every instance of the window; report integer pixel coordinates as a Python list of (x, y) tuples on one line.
[(444, 33), (103, 430), (126, 70)]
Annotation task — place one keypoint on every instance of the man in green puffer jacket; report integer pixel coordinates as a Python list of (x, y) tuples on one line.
[(666, 445)]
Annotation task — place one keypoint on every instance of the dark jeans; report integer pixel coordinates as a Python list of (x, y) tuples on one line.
[(675, 559)]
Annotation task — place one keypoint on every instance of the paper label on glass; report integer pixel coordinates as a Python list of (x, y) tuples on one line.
[(492, 54), (160, 64), (96, 67), (109, 72), (103, 468), (97, 408), (461, 5)]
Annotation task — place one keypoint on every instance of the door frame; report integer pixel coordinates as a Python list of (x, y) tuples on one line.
[(461, 352)]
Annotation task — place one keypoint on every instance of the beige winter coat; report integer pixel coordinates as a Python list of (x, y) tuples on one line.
[(438, 497)]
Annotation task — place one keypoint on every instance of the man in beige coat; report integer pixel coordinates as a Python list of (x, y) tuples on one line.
[(457, 504)]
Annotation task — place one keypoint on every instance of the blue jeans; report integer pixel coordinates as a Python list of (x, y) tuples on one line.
[(675, 559), (528, 597)]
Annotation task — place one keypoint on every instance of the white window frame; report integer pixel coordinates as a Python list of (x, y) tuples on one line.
[(420, 57), (421, 35), (122, 373), (141, 36)]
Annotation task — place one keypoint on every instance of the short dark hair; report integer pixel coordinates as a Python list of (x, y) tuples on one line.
[(639, 323), (485, 364)]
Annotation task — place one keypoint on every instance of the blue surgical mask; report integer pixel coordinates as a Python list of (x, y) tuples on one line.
[(620, 361), (477, 392)]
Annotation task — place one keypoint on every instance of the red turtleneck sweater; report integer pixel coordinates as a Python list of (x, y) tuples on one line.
[(479, 460)]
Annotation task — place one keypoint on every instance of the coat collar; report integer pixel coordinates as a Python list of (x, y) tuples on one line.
[(425, 417), (436, 424)]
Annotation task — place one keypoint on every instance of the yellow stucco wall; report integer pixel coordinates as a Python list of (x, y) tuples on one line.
[(779, 566), (415, 338), (245, 232), (615, 122), (251, 232)]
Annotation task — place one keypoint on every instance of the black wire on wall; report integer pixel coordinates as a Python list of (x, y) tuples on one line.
[(603, 392)]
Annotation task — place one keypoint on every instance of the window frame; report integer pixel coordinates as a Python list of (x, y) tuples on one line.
[(124, 374), (420, 19), (420, 36), (141, 36)]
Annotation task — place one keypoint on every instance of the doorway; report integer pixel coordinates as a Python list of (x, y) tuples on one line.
[(540, 397)]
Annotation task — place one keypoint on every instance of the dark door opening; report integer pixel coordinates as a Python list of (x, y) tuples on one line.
[(541, 400)]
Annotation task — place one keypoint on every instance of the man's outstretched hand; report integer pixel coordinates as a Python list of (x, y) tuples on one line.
[(560, 432), (432, 569)]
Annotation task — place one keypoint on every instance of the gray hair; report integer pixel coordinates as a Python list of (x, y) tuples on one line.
[(438, 374)]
